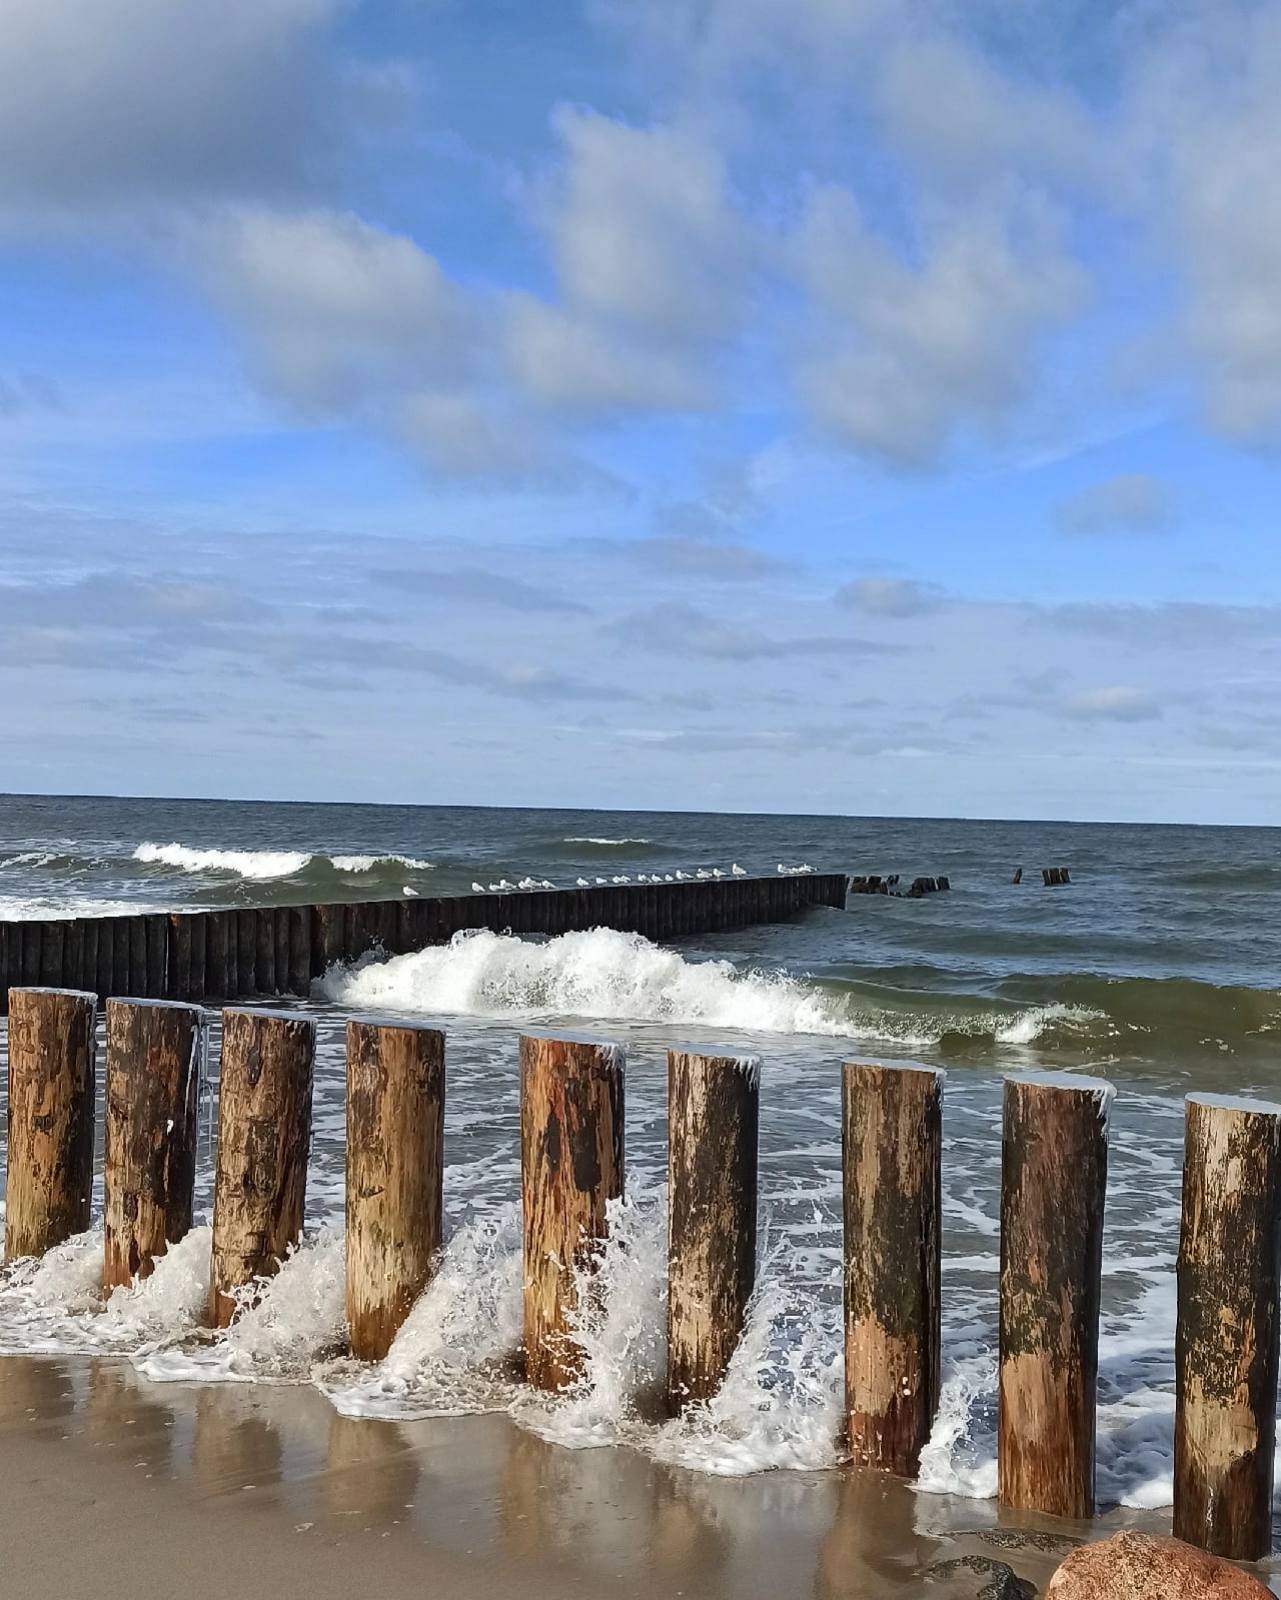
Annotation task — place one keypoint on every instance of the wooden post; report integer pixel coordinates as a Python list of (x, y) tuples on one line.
[(264, 1132), (282, 917), (199, 924), (300, 950), (265, 951), (179, 970), (52, 1082), (149, 1172), (157, 941), (395, 1167), (713, 1105), (571, 1166), (218, 957), (891, 1121), (246, 952), (1226, 1343), (1053, 1181)]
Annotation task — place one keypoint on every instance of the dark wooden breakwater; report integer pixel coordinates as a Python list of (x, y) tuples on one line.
[(277, 950)]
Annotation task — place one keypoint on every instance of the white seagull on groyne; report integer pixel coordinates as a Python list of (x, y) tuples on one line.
[(739, 872)]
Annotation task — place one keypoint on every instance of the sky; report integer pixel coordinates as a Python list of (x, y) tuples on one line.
[(864, 406)]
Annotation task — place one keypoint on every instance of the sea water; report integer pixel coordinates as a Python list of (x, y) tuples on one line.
[(1156, 970)]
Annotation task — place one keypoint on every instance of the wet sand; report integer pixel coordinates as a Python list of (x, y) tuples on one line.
[(117, 1486)]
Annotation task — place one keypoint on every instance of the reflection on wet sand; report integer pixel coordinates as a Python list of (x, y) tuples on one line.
[(372, 1472), (507, 1504)]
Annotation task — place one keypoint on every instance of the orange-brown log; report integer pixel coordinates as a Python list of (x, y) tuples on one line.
[(1053, 1181), (149, 1171), (395, 1167), (52, 1086), (892, 1144), (571, 1167), (713, 1109), (1226, 1339), (264, 1132)]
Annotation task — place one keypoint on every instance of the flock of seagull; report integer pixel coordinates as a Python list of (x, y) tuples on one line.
[(702, 874)]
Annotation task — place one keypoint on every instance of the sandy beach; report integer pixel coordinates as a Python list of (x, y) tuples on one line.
[(114, 1485)]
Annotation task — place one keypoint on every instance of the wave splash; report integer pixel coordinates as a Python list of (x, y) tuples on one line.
[(259, 865), (623, 977)]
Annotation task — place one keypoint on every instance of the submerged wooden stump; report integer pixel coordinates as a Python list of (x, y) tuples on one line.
[(395, 1168), (52, 1085), (264, 1133), (1053, 1183), (713, 1105), (1226, 1343), (149, 1173), (571, 1166), (892, 1131)]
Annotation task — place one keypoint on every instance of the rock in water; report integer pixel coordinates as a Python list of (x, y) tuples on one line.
[(1134, 1566)]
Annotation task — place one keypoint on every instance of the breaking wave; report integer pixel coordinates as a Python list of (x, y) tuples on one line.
[(623, 977), (257, 865)]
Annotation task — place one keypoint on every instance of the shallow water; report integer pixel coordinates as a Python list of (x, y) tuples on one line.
[(1155, 969)]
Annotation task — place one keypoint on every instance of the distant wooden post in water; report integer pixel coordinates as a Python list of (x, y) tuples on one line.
[(52, 1085), (264, 1133), (1226, 1343), (713, 1109), (1053, 1185), (149, 1171), (892, 1135), (571, 1166), (395, 1168)]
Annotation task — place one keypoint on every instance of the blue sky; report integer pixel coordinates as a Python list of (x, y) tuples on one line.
[(762, 404)]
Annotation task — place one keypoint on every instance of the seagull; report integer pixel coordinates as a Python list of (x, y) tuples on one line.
[(739, 872), (528, 883), (405, 889), (583, 883), (717, 872), (478, 888), (547, 884), (703, 873), (669, 879)]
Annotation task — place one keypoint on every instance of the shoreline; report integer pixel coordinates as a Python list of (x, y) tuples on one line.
[(119, 1485)]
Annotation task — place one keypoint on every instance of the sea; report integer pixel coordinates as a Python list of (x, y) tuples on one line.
[(1156, 968)]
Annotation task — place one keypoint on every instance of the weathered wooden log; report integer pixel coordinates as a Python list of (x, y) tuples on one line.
[(1053, 1183), (196, 983), (1227, 1337), (52, 971), (1018, 875), (892, 1146), (395, 1167), (282, 916), (571, 1167), (300, 950), (713, 1107), (265, 951), (246, 951), (264, 1133), (52, 1085), (157, 939), (219, 961), (149, 1171)]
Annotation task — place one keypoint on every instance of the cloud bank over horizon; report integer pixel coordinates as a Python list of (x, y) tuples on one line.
[(593, 406)]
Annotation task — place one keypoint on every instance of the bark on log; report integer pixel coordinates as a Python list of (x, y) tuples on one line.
[(1053, 1184), (264, 1132), (52, 1083), (149, 1173), (713, 1105), (395, 1167), (892, 1145), (1226, 1342), (571, 1164)]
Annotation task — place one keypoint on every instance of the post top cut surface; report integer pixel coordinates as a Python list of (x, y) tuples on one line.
[(1064, 1080), (405, 1024), (1236, 1102), (269, 1015), (154, 1005), (52, 988), (902, 1066)]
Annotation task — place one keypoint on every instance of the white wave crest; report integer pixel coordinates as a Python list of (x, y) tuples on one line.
[(623, 977), (368, 863), (254, 864), (589, 838)]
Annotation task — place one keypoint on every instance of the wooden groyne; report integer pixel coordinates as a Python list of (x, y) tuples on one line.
[(237, 953), (572, 1135)]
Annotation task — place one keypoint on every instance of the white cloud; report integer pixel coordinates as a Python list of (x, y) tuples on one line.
[(890, 597), (907, 352), (150, 99), (1129, 502), (1116, 703)]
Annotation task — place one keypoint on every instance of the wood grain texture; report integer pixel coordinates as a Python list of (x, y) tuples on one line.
[(713, 1111), (1053, 1183), (264, 1133), (149, 1173), (1226, 1340), (892, 1137), (395, 1173), (52, 1087), (571, 1166)]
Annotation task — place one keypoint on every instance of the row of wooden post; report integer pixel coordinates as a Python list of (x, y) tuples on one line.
[(1054, 1174)]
